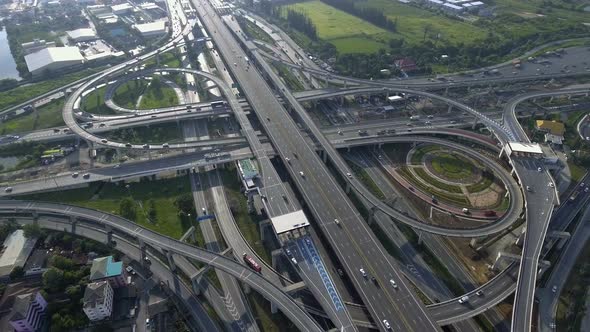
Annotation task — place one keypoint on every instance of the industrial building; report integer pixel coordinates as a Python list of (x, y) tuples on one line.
[(36, 45), (82, 35), (53, 58), (121, 9), (98, 300), (157, 28)]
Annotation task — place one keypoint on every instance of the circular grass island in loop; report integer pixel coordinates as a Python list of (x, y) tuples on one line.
[(453, 179), (453, 167)]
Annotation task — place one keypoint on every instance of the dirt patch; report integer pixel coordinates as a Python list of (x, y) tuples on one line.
[(477, 264), (487, 198)]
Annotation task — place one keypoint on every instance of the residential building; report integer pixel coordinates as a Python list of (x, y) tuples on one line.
[(28, 312), (98, 300), (52, 59), (104, 268)]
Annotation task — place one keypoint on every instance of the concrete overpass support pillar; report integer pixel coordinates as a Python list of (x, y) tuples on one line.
[(450, 109), (501, 152), (263, 225), (379, 146), (562, 238), (35, 215), (520, 238), (73, 221), (273, 308), (170, 258), (420, 239), (502, 256), (446, 92)]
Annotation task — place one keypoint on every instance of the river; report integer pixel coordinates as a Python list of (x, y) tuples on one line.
[(7, 64)]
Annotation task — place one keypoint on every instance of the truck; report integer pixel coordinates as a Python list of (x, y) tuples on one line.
[(415, 117), (251, 263)]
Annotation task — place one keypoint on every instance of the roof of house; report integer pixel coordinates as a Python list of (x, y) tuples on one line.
[(405, 63), (16, 249), (21, 306), (95, 293), (104, 267), (50, 55), (554, 127)]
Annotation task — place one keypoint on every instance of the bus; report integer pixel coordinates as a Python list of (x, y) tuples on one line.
[(251, 263)]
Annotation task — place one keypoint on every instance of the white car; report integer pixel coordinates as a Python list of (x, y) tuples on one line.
[(539, 169), (386, 324), (349, 175), (551, 184), (362, 271), (464, 299), (528, 188), (302, 174), (393, 284)]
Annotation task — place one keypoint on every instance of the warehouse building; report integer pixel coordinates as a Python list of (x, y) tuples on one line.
[(15, 252), (53, 58)]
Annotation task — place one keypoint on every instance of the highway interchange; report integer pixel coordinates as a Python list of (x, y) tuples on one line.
[(352, 241)]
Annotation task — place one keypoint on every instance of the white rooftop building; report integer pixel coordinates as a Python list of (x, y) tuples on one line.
[(452, 8), (98, 300), (289, 221), (15, 251), (523, 149), (53, 58), (120, 9), (80, 35), (151, 29)]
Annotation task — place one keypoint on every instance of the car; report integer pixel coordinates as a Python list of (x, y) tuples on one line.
[(465, 210), (302, 174), (129, 269), (154, 116), (586, 189), (582, 184), (56, 130), (363, 273), (337, 222), (104, 140), (554, 289), (339, 132), (165, 145), (386, 324), (294, 260), (203, 210), (539, 169), (8, 189), (430, 116), (128, 145), (453, 121), (147, 322), (464, 299), (479, 293), (374, 280), (528, 188), (349, 175), (288, 252), (102, 125), (146, 146), (287, 160), (393, 284), (551, 185)]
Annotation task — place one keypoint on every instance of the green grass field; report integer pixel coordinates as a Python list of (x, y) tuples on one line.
[(348, 33), (451, 166), (106, 197), (411, 22), (21, 94), (126, 94), (94, 103), (156, 98), (47, 116)]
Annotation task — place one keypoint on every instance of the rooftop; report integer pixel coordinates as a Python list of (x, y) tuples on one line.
[(95, 293), (554, 127), (247, 169), (121, 7), (21, 306), (85, 33), (104, 267), (17, 249), (151, 27), (289, 221), (525, 147), (50, 55)]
